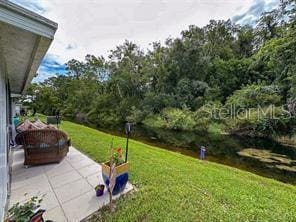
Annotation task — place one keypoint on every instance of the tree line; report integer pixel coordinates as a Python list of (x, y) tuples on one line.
[(176, 85)]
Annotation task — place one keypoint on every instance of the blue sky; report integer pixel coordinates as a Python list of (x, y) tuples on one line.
[(251, 15), (97, 26)]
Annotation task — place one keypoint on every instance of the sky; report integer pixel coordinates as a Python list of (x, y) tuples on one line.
[(97, 26)]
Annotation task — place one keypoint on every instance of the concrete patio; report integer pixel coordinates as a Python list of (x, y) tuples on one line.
[(68, 186)]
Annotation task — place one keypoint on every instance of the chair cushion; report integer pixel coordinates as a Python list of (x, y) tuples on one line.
[(39, 124), (26, 125)]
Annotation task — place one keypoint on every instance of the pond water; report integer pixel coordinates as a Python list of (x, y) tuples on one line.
[(260, 156)]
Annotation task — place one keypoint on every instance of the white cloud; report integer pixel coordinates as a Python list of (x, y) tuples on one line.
[(96, 26)]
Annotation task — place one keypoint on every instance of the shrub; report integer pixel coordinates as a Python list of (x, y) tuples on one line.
[(154, 121), (136, 115), (172, 118), (178, 119), (184, 119), (262, 122), (207, 115), (252, 96)]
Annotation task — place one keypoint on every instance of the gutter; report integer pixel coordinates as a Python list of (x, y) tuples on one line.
[(25, 19)]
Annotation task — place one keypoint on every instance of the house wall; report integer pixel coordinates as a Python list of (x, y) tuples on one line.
[(3, 138)]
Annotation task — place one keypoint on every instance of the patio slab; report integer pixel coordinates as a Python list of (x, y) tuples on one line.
[(68, 186)]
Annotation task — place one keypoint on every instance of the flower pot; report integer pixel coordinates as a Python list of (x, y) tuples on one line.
[(121, 174), (38, 216), (99, 190)]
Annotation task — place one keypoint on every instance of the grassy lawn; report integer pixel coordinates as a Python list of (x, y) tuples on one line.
[(173, 187)]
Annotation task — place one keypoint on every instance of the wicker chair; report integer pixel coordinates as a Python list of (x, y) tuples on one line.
[(43, 146)]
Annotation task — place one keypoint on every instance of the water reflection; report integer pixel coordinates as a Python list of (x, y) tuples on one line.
[(261, 156)]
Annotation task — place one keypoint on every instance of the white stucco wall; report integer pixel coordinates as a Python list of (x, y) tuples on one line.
[(3, 141)]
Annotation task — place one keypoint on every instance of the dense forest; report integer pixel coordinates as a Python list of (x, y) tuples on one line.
[(220, 77)]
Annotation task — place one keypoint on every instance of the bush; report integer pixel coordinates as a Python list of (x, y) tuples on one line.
[(172, 118), (154, 121), (103, 112), (262, 122), (108, 119), (136, 115), (178, 119), (205, 115), (252, 96), (184, 119)]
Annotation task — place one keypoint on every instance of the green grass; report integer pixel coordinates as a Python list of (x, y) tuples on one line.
[(173, 187)]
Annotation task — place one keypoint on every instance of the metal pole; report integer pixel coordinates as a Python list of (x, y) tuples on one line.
[(126, 147), (127, 132), (57, 115), (57, 119)]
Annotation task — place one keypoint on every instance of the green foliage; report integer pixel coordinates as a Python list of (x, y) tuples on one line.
[(155, 102), (170, 84), (189, 92), (136, 115), (23, 212), (252, 96), (216, 128), (172, 118), (230, 75), (207, 115), (177, 119), (267, 121), (117, 157)]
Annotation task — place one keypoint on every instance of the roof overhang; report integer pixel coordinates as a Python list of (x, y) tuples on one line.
[(24, 40)]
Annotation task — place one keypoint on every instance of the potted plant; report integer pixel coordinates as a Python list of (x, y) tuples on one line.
[(120, 171), (28, 211), (100, 189)]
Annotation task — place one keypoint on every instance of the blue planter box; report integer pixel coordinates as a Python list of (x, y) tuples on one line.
[(121, 177)]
